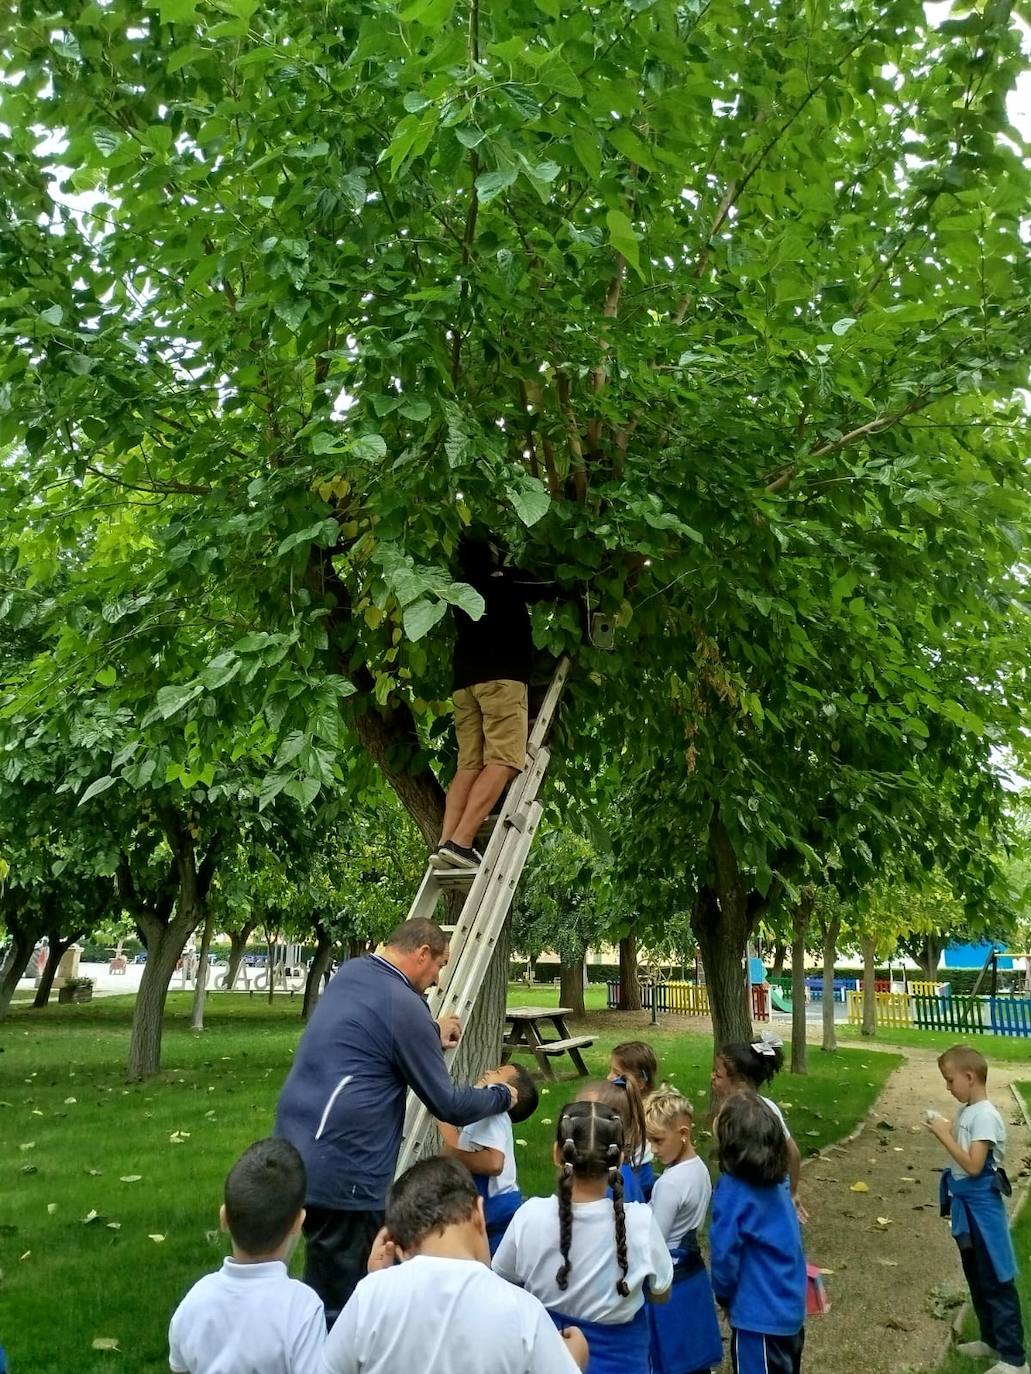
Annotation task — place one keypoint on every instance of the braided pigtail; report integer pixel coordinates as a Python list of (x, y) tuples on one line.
[(616, 1184), (565, 1208)]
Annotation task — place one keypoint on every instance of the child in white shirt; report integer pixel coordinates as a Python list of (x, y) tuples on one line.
[(487, 1150), (592, 1261), (250, 1317), (442, 1311)]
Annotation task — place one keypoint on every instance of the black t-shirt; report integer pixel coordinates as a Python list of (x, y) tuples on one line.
[(499, 644)]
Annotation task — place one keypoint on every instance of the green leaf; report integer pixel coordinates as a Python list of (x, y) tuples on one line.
[(559, 76), (369, 448), (467, 598), (171, 700), (106, 141), (177, 11), (430, 13), (303, 790), (623, 238), (530, 499), (271, 786), (95, 788), (222, 669), (53, 315), (421, 616), (323, 532), (842, 326), (415, 101), (107, 677), (491, 184), (416, 409), (588, 151)]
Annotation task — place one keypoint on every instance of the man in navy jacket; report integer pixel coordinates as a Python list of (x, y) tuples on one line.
[(370, 1039)]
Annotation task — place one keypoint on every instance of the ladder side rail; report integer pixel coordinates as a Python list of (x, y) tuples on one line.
[(494, 861), (549, 706), (417, 1116)]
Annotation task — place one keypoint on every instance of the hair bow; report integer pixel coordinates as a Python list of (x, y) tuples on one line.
[(767, 1044)]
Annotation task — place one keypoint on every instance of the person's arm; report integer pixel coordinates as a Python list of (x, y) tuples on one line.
[(506, 1258), (725, 1246), (485, 1161), (554, 1352), (661, 1279), (308, 1341), (340, 1351), (971, 1161), (176, 1358), (419, 1056), (664, 1207)]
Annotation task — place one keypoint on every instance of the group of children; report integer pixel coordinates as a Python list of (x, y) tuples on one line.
[(607, 1274)]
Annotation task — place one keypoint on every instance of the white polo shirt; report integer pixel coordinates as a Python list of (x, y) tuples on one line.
[(979, 1121), (529, 1255), (680, 1198), (494, 1133), (248, 1319), (431, 1315)]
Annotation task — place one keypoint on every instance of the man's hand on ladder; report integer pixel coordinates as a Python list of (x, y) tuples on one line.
[(450, 1028)]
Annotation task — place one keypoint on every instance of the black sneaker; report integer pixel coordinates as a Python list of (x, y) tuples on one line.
[(451, 855)]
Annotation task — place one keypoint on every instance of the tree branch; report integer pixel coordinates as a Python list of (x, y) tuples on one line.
[(577, 469), (874, 426)]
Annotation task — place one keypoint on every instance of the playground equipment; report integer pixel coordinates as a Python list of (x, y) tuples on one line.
[(779, 1001), (491, 888)]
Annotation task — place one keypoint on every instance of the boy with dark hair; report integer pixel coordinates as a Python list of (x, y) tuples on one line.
[(487, 1149), (250, 1317), (972, 1192), (442, 1310)]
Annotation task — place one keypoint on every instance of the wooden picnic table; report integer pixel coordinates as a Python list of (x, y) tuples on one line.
[(523, 1033)]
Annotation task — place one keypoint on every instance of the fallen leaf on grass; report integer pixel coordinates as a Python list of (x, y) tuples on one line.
[(179, 1137), (29, 1169), (859, 1187), (70, 1101), (157, 1239), (114, 1225), (130, 1178), (29, 1145), (94, 1173), (888, 1264), (885, 1222), (105, 1343), (908, 1178), (51, 1208), (893, 1324), (26, 1255)]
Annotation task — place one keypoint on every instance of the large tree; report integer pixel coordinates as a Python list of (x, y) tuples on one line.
[(715, 307)]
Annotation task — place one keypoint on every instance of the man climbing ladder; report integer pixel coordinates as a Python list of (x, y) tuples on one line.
[(491, 672)]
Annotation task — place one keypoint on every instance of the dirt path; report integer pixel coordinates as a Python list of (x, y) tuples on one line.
[(888, 1247)]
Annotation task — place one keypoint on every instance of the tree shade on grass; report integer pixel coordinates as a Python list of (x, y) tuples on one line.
[(150, 1160)]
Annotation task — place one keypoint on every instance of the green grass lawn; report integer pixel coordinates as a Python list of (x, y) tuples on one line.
[(73, 1133), (1011, 1048), (956, 1364)]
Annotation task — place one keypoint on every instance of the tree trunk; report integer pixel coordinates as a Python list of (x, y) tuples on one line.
[(830, 951), (270, 955), (571, 984), (722, 945), (390, 738), (779, 950), (237, 949), (629, 983), (165, 943), (57, 951), (799, 929), (869, 991), (200, 987), (480, 1047), (930, 957), (317, 970), (23, 942)]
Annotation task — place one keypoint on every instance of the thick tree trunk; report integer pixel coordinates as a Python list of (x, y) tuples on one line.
[(629, 983), (200, 987), (930, 956), (317, 970), (389, 737), (830, 951), (722, 945), (23, 942), (58, 949), (480, 1048), (165, 943), (869, 991), (779, 950), (799, 929), (571, 984), (237, 949)]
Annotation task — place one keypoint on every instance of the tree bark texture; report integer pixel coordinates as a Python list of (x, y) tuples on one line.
[(317, 969), (24, 935), (930, 957), (799, 930), (480, 1047), (200, 987), (779, 950), (237, 949), (390, 739), (830, 950), (722, 946), (571, 984), (869, 992), (58, 949), (629, 983)]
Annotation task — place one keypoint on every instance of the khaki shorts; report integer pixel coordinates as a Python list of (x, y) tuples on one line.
[(491, 724)]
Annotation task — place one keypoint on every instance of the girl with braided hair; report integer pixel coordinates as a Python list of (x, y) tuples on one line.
[(592, 1260), (622, 1095)]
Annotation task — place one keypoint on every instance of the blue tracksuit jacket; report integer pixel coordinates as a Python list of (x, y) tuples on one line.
[(755, 1256), (371, 1037)]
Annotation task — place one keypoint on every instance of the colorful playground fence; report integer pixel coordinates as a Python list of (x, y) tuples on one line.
[(688, 999), (960, 1015)]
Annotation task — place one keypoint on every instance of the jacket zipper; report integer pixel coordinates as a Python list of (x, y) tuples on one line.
[(329, 1105)]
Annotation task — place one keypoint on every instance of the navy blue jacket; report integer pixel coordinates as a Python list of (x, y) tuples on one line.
[(755, 1256), (370, 1038)]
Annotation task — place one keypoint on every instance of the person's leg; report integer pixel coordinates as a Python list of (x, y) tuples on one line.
[(337, 1246), (457, 800), (1001, 1304), (973, 1272), (503, 707), (469, 733)]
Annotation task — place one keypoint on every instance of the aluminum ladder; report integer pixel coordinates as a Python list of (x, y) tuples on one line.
[(491, 889)]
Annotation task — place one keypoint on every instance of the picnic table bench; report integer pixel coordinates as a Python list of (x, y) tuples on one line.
[(523, 1033)]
